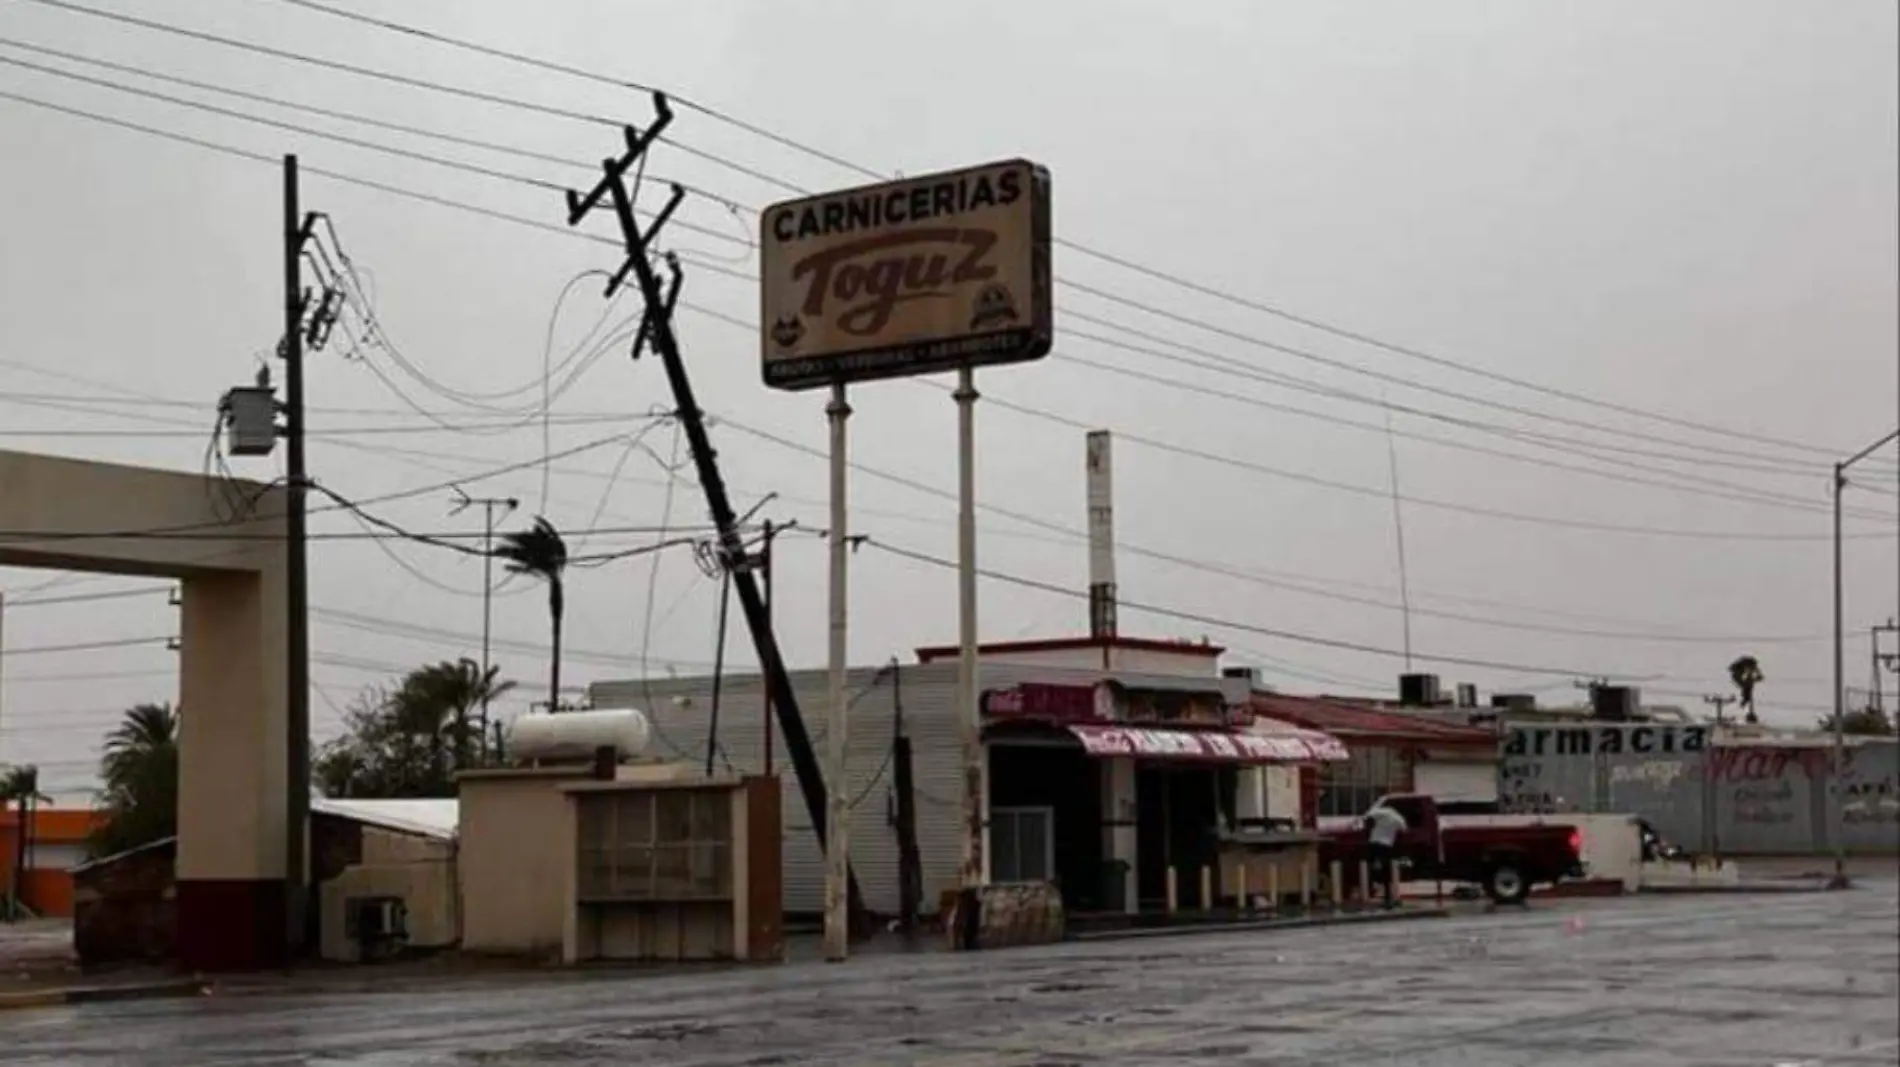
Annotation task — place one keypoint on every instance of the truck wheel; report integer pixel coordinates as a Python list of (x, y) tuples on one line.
[(1505, 883)]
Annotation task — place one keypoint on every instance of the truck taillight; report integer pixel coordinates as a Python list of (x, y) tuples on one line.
[(1576, 843)]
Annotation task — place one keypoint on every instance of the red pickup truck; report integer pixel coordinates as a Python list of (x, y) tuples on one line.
[(1506, 860)]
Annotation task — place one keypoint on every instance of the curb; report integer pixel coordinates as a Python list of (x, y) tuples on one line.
[(51, 998), (1295, 923), (1740, 888)]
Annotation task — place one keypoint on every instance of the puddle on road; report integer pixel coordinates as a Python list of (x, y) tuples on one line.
[(593, 1045), (1069, 987)]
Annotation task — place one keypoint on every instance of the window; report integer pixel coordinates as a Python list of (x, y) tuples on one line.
[(1022, 841), (667, 844), (1349, 787)]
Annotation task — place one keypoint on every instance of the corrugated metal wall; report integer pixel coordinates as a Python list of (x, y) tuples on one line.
[(928, 695), (1736, 798)]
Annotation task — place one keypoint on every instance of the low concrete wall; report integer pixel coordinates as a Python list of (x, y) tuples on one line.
[(1767, 796), (1018, 913)]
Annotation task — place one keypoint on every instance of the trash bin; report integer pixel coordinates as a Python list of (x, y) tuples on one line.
[(1115, 885)]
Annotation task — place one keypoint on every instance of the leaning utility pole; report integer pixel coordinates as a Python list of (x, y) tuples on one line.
[(488, 504), (657, 326), (296, 574)]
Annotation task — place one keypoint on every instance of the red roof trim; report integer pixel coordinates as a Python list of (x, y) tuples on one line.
[(1064, 644)]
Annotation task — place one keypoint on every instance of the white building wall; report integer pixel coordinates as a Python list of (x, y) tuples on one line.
[(680, 712), (1196, 664), (1081, 659), (1188, 662)]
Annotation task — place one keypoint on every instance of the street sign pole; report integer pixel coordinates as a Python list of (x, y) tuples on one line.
[(837, 814), (969, 725)]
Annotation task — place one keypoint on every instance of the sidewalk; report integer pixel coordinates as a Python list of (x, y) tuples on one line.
[(93, 994), (1163, 926)]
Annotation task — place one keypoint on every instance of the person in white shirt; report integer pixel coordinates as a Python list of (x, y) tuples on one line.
[(1383, 827)]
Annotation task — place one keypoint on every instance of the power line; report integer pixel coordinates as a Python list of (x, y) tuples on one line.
[(418, 631), (390, 532), (1210, 620), (374, 146), (1414, 353), (1352, 368), (519, 220), (1420, 501), (83, 598), (1084, 288), (258, 157), (1381, 494), (84, 646), (411, 82), (84, 676), (1122, 262), (1743, 494), (1215, 363), (1301, 584), (177, 530), (162, 133)]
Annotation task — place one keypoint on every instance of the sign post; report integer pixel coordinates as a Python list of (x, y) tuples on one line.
[(837, 813), (969, 716), (942, 272)]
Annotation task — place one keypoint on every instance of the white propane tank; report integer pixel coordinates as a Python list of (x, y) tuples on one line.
[(575, 735)]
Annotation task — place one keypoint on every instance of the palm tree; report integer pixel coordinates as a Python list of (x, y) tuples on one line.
[(140, 772), (434, 704), (1746, 673), (539, 552), (20, 786)]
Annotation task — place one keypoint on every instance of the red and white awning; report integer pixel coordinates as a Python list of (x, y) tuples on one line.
[(1325, 748), (1206, 746)]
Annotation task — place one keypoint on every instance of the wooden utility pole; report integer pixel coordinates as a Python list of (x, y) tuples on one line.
[(656, 327), (296, 573)]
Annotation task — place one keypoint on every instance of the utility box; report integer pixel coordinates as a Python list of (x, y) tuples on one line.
[(672, 871), (250, 420)]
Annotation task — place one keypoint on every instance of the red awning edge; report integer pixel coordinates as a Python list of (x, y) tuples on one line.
[(1204, 746)]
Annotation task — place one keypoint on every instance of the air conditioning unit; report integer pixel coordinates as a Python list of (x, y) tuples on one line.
[(1514, 701), (1615, 703), (379, 926), (1246, 674), (1467, 695), (1418, 690)]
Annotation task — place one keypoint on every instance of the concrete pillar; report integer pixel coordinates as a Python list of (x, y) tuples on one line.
[(1250, 795), (233, 906), (1118, 823), (233, 765)]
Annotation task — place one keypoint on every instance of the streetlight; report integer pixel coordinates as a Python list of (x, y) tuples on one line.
[(1840, 664)]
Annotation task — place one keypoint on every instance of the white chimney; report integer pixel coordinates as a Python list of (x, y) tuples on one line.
[(1101, 494)]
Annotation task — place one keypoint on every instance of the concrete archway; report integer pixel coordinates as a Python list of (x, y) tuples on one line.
[(237, 901)]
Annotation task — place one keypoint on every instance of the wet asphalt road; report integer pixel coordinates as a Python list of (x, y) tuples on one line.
[(1810, 979)]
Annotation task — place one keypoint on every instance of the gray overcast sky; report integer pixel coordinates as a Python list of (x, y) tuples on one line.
[(1685, 208)]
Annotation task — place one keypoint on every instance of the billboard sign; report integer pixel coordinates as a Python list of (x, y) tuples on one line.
[(907, 277)]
